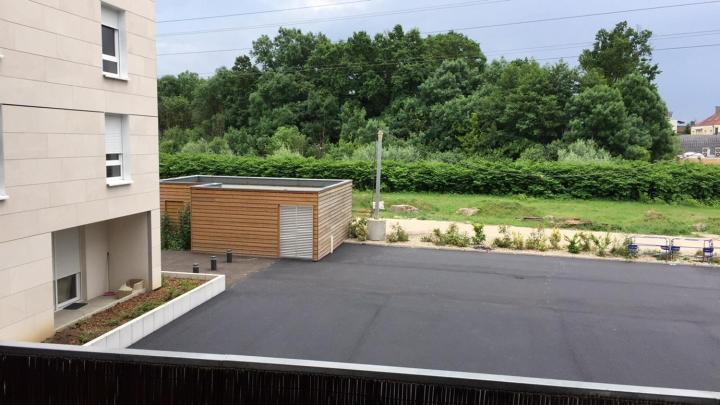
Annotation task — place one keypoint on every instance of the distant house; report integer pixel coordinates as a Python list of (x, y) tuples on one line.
[(700, 147), (709, 126)]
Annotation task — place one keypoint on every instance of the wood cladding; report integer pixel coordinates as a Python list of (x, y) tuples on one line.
[(335, 216), (248, 221), (173, 198)]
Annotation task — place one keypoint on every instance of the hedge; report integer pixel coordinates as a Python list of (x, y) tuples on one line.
[(630, 181)]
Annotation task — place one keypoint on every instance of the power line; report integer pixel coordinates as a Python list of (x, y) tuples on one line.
[(656, 37), (571, 45), (414, 60), (339, 18), (277, 10), (207, 51), (572, 17)]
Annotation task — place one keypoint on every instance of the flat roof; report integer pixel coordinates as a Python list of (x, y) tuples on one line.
[(259, 183)]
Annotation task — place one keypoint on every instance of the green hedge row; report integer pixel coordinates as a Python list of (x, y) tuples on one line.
[(616, 181)]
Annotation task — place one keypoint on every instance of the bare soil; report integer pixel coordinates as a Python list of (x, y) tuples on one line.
[(103, 322)]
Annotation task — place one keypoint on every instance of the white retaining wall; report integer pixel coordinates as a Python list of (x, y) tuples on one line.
[(125, 335)]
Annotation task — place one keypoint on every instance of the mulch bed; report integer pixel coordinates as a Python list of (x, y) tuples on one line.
[(123, 312)]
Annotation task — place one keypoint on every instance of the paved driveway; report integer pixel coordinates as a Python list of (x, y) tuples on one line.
[(578, 319)]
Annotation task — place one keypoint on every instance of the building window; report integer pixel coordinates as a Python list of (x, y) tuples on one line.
[(113, 42), (117, 167), (3, 196)]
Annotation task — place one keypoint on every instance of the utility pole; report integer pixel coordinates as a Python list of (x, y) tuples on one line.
[(376, 226), (378, 174)]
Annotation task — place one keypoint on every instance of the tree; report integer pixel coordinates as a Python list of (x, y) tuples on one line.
[(620, 52), (288, 138), (174, 111), (643, 102), (352, 122), (583, 150), (451, 79)]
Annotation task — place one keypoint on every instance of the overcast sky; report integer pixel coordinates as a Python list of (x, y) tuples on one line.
[(690, 82)]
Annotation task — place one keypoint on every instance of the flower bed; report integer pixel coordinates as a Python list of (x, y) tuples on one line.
[(124, 312)]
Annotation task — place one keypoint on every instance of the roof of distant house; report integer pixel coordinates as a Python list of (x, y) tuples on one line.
[(696, 143), (711, 120)]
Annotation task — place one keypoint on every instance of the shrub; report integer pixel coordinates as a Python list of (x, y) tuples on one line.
[(602, 244), (573, 244), (452, 237), (555, 239), (623, 180), (504, 240), (480, 237), (176, 235), (586, 241), (537, 240), (518, 242), (398, 234), (620, 249), (359, 229)]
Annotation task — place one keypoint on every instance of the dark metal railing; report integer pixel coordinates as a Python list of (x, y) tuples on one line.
[(56, 374)]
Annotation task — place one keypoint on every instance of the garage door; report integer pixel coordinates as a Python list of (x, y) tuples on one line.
[(296, 231)]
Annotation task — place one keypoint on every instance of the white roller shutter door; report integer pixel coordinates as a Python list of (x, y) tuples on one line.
[(113, 134), (66, 252), (296, 232)]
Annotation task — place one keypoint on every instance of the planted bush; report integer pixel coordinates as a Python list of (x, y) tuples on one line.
[(627, 180), (359, 229), (452, 237), (573, 245), (537, 240), (176, 235), (505, 239), (398, 234), (555, 239), (480, 237)]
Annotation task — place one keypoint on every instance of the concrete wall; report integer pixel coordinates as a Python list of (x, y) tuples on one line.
[(97, 247), (26, 288), (54, 97), (128, 240)]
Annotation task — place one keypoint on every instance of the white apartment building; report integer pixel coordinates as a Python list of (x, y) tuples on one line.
[(79, 182)]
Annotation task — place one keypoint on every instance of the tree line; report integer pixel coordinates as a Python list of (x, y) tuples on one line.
[(436, 97)]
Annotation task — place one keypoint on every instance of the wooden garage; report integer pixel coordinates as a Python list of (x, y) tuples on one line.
[(259, 216)]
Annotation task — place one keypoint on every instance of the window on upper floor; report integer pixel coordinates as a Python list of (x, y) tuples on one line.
[(3, 196), (113, 42), (117, 158)]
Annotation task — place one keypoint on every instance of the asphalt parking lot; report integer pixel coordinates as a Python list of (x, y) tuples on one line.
[(577, 319)]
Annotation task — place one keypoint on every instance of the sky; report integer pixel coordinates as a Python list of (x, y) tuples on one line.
[(689, 83)]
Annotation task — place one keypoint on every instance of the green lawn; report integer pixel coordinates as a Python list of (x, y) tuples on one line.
[(632, 217)]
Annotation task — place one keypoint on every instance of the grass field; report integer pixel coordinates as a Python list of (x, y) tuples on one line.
[(632, 217)]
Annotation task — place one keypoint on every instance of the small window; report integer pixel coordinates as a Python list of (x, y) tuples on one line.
[(113, 53), (3, 196), (116, 150)]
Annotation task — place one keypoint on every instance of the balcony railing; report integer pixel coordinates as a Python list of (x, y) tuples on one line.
[(56, 374)]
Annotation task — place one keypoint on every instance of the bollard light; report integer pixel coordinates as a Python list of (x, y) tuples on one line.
[(213, 263), (228, 256), (196, 268)]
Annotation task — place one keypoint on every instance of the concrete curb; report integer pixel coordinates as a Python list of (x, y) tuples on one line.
[(125, 335), (550, 253)]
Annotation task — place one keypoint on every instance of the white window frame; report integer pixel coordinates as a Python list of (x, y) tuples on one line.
[(116, 23), (3, 195), (123, 159)]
